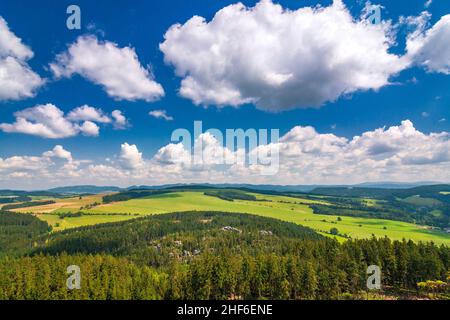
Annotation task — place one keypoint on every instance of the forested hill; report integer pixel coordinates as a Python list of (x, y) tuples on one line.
[(432, 191), (212, 255), (426, 205), (130, 236), (19, 233)]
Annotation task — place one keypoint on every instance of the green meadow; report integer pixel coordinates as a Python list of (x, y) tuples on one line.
[(280, 207), (73, 222), (419, 201)]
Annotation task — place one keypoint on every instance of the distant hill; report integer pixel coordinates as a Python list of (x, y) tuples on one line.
[(440, 192), (395, 185), (368, 189), (85, 189), (158, 187), (18, 193), (114, 238), (286, 188), (260, 187)]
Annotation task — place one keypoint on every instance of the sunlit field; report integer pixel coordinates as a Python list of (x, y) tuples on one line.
[(280, 207)]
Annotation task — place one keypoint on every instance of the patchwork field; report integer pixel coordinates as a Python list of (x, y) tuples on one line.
[(73, 204), (285, 208)]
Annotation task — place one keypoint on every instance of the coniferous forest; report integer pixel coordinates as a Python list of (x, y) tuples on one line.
[(209, 255)]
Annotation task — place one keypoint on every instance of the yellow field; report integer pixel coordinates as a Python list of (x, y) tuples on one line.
[(73, 204)]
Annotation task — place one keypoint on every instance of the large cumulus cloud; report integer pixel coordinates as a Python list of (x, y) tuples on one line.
[(116, 69), (280, 59), (430, 48), (17, 80)]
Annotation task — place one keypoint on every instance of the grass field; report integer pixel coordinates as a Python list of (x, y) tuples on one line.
[(419, 201), (60, 224), (283, 208)]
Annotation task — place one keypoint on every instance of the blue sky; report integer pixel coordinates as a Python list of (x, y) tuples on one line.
[(415, 93)]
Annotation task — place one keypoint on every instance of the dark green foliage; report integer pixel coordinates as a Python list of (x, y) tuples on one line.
[(133, 235), (14, 193), (102, 278), (334, 231), (231, 195), (15, 199), (202, 260), (26, 205), (132, 194), (363, 211), (19, 232), (70, 215), (391, 209), (210, 255), (433, 191)]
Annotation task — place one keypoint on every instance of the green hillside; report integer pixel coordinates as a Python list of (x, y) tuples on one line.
[(296, 210)]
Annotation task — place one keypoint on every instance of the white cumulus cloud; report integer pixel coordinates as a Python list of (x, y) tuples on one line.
[(89, 128), (120, 121), (48, 121), (116, 69), (173, 153), (42, 120), (280, 59), (59, 152), (160, 114), (430, 48), (17, 80), (130, 156), (87, 113)]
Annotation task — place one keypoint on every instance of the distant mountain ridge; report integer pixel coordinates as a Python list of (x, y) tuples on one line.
[(292, 188), (90, 189), (94, 189), (18, 193), (439, 191)]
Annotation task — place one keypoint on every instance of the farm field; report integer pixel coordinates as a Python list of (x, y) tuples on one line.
[(72, 204), (280, 207)]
